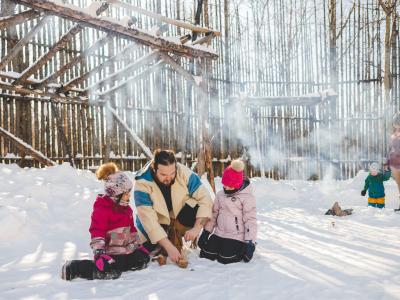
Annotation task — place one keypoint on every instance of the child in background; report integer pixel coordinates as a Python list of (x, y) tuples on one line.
[(114, 238), (231, 233), (374, 185)]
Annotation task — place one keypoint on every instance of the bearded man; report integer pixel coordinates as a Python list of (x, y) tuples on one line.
[(171, 204)]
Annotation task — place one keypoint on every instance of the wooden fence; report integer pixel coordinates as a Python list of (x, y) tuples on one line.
[(268, 49)]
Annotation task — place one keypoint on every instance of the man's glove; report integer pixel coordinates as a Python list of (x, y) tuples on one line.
[(249, 251), (363, 192), (203, 239), (102, 260)]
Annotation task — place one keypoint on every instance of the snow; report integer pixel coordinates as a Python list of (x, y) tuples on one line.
[(301, 253)]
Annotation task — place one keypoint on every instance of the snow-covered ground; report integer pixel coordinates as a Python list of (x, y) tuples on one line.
[(301, 253)]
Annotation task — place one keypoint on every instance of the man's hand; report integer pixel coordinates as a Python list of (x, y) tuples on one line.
[(172, 252), (192, 234)]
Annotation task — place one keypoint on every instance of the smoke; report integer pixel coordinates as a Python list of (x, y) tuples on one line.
[(325, 147)]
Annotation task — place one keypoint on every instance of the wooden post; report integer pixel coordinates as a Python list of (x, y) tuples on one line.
[(61, 134)]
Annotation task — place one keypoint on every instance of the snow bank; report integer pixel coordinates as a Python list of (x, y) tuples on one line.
[(301, 253)]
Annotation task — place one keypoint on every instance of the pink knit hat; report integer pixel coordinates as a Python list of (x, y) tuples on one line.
[(233, 175), (117, 184)]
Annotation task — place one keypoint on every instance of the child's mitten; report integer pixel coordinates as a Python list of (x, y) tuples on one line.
[(203, 239), (249, 251), (363, 192), (102, 260)]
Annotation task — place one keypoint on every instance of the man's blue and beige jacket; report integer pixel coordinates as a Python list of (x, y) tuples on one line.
[(151, 206)]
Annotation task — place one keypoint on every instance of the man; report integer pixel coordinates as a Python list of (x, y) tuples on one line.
[(171, 203)]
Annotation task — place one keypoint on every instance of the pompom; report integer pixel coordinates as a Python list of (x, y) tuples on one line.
[(106, 170), (237, 165)]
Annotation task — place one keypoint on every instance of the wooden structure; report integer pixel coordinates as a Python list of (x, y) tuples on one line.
[(77, 115), (69, 79)]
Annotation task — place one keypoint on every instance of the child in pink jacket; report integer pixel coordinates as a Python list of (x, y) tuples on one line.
[(231, 233), (114, 238)]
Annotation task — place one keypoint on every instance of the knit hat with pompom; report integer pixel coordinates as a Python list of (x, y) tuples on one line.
[(115, 182), (374, 167), (233, 175)]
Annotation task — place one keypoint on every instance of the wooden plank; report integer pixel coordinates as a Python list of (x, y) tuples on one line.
[(22, 42), (119, 74), (161, 18), (75, 60), (25, 147), (22, 17), (132, 135), (178, 68), (49, 54), (281, 100), (74, 30), (97, 69), (117, 28), (28, 91), (15, 75), (107, 94)]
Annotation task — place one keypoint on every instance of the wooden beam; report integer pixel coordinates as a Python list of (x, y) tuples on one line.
[(26, 148), (204, 40), (22, 42), (107, 94), (131, 134), (158, 17), (27, 91), (282, 100), (54, 49), (179, 69), (101, 42), (49, 54), (118, 27), (124, 71), (22, 17), (16, 75), (78, 80)]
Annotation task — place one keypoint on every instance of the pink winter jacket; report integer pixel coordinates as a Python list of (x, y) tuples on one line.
[(112, 227), (234, 216)]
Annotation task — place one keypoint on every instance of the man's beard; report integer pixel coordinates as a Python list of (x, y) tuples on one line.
[(169, 183), (166, 184)]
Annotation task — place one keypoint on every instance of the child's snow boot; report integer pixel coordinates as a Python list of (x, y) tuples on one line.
[(66, 272), (72, 269), (86, 269)]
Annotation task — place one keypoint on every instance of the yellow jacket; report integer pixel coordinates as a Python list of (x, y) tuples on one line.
[(151, 206)]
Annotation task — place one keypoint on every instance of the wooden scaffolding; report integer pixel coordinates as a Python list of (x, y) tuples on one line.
[(21, 80)]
